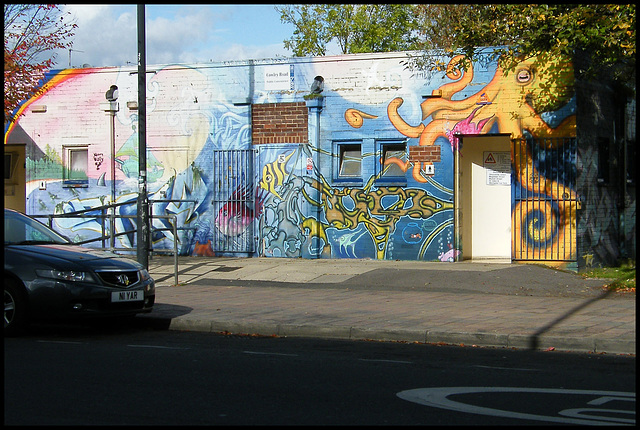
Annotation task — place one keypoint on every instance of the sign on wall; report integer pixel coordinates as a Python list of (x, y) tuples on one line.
[(278, 78), (498, 167)]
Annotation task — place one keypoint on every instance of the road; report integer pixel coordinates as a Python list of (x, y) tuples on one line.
[(96, 374)]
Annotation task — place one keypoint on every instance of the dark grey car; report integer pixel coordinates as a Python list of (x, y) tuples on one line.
[(46, 276)]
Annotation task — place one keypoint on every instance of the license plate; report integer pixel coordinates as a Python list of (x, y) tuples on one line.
[(127, 296)]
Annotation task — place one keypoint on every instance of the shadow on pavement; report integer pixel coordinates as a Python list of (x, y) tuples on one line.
[(162, 314), (534, 341)]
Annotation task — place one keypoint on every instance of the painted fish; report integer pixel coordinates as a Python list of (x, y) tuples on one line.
[(274, 174), (234, 216)]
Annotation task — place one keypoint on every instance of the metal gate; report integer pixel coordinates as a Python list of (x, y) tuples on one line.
[(545, 201), (233, 201)]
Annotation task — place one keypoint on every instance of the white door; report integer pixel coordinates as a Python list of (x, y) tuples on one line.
[(486, 163)]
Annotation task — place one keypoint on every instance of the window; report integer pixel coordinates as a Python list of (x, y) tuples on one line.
[(350, 161), (392, 154), (8, 164), (76, 165)]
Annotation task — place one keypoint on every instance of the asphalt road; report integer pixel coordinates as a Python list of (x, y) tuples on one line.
[(104, 375)]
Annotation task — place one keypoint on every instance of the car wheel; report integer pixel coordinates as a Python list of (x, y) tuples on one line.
[(15, 309)]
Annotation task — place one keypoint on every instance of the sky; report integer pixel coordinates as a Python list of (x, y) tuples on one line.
[(107, 35)]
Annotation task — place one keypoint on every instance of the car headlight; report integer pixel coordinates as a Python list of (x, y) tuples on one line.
[(66, 275), (144, 275)]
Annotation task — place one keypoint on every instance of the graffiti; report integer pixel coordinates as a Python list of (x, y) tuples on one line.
[(347, 208), (98, 159), (465, 127), (450, 255), (545, 228), (274, 174), (544, 215), (285, 226), (235, 215), (355, 118), (504, 102), (299, 209), (127, 161)]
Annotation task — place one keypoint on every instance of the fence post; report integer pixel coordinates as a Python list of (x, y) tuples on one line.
[(175, 249)]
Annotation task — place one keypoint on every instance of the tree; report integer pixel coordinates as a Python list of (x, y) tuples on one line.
[(436, 24), (355, 28), (600, 39), (31, 34)]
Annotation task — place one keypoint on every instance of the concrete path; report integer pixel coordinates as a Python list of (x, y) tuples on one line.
[(472, 303)]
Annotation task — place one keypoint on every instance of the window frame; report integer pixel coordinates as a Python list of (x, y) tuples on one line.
[(9, 169), (339, 150), (67, 178), (381, 150)]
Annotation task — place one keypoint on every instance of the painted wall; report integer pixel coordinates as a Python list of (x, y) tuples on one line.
[(303, 209), (606, 223)]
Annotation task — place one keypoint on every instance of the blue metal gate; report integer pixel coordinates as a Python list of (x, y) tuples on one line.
[(233, 201), (545, 199)]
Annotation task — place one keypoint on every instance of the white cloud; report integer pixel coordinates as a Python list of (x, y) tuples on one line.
[(107, 34), (244, 52), (169, 39), (86, 12)]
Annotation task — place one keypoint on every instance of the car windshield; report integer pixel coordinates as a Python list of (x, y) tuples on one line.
[(20, 229)]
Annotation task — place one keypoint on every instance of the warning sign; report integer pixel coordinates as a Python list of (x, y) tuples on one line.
[(498, 168)]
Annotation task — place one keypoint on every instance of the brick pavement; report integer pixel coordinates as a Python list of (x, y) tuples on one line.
[(338, 299)]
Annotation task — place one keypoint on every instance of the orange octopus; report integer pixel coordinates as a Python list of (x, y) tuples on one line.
[(505, 101)]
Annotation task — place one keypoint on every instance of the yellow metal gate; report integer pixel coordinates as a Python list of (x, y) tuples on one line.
[(545, 201)]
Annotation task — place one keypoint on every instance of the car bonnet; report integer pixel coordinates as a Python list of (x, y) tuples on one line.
[(79, 254)]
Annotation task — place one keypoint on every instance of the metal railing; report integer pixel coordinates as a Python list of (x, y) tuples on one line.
[(108, 212)]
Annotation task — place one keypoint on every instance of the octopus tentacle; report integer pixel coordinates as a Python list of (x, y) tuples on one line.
[(355, 118), (399, 123)]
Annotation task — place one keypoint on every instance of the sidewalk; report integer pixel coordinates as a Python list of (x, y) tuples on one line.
[(471, 303)]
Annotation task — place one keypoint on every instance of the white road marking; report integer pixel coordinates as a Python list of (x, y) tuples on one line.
[(60, 341), (386, 361), (269, 353), (155, 346), (437, 397), (507, 368)]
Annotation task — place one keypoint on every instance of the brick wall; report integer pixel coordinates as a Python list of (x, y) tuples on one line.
[(427, 154), (279, 123)]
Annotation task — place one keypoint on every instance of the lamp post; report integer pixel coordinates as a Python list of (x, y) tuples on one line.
[(112, 96), (142, 251)]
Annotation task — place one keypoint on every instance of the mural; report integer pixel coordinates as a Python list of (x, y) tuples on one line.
[(544, 221), (288, 203)]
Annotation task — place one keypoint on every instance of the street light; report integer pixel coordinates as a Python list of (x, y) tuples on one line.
[(142, 251), (112, 93)]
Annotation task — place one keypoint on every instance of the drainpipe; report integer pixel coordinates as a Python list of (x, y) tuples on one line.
[(314, 104)]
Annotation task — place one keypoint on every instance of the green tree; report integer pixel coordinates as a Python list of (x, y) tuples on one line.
[(600, 39), (32, 32), (356, 28)]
